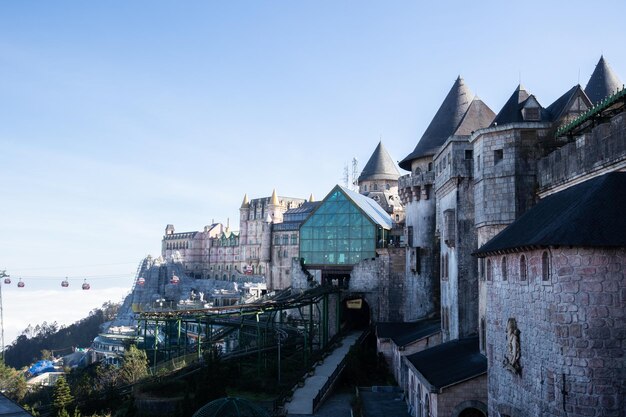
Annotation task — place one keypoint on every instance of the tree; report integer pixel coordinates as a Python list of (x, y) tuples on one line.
[(12, 383), (135, 365), (61, 397)]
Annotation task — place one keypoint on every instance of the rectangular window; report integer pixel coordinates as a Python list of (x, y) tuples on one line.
[(498, 154), (409, 231), (468, 154)]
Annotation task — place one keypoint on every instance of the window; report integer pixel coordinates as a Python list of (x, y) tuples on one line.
[(294, 239), (498, 155), (375, 187), (481, 269), (409, 232), (483, 334), (489, 270), (477, 163), (545, 267), (449, 227), (365, 188), (522, 268), (430, 166), (503, 270), (531, 113), (468, 154)]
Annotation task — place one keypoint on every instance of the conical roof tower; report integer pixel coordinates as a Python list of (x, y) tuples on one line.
[(511, 111), (380, 166), (444, 123), (603, 82)]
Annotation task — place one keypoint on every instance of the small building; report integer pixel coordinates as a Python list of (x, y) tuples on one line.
[(398, 339), (449, 380)]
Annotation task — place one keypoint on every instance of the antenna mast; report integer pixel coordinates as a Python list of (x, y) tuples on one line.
[(355, 174)]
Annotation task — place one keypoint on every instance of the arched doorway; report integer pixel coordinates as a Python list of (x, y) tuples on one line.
[(471, 408), (355, 313), (471, 412)]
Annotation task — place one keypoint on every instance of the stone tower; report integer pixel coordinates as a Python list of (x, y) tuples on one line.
[(417, 193)]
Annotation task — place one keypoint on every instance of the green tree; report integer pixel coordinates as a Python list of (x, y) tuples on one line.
[(135, 365), (12, 383), (62, 397)]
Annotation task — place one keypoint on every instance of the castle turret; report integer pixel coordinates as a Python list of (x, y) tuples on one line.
[(603, 82)]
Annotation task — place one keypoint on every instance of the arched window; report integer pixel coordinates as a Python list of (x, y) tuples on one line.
[(545, 267), (503, 269), (489, 270), (522, 268)]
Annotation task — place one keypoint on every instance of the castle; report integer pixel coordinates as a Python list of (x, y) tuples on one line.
[(493, 271)]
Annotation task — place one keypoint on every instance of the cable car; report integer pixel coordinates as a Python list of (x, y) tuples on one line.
[(174, 280), (20, 284), (141, 281), (7, 280), (86, 285), (65, 283)]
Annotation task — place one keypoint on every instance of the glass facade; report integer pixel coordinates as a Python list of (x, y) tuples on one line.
[(338, 233)]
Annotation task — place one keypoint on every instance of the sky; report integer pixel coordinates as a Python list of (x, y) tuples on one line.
[(118, 118)]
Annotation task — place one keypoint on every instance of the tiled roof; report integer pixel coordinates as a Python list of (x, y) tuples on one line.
[(403, 334), (590, 214), (444, 124), (603, 82), (380, 166), (450, 363), (559, 106)]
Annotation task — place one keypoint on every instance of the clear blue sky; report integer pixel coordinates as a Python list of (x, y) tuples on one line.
[(119, 117)]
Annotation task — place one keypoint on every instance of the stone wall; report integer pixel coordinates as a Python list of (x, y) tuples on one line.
[(453, 400), (601, 150), (572, 334)]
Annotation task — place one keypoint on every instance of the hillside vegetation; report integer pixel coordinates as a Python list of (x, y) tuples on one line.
[(51, 339)]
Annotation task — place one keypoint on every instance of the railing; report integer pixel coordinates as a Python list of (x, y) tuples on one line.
[(338, 370)]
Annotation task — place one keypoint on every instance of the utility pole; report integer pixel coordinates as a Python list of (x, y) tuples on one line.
[(3, 275)]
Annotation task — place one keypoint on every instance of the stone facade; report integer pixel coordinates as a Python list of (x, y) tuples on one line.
[(572, 332)]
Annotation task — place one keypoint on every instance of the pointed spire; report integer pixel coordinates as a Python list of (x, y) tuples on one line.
[(444, 123), (603, 82), (478, 116), (246, 202), (274, 199), (380, 166), (511, 111), (311, 198)]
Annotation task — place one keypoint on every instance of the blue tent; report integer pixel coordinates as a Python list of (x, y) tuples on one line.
[(41, 367)]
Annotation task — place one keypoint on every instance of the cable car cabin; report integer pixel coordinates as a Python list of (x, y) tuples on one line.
[(65, 284), (7, 280), (20, 284), (86, 285), (141, 281), (175, 280)]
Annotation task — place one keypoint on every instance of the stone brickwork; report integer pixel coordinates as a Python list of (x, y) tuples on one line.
[(572, 334), (455, 223), (453, 400), (601, 150)]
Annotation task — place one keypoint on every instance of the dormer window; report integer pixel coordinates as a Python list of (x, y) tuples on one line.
[(531, 114)]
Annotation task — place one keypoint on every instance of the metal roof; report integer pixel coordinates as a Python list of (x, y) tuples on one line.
[(589, 214), (603, 82), (380, 166), (444, 124), (403, 334), (10, 408), (450, 363), (371, 208)]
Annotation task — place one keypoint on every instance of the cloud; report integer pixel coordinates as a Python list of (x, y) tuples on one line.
[(22, 308)]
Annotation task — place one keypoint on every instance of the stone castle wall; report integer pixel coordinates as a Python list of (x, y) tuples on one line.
[(597, 152), (572, 334)]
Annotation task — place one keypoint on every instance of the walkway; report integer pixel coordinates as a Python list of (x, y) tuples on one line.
[(302, 400)]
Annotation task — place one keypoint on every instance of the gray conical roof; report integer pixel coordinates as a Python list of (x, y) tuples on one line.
[(603, 82), (380, 166), (445, 122), (511, 112), (477, 116)]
